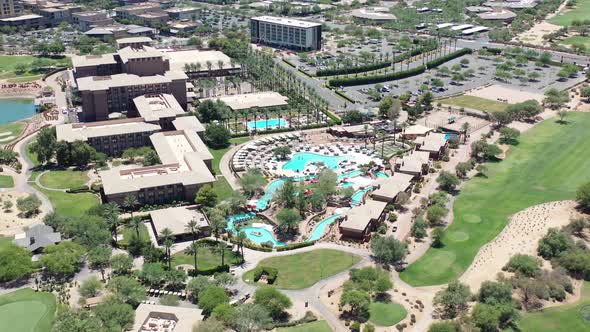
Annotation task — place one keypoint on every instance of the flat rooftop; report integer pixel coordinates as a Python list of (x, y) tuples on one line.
[(130, 40), (93, 60), (71, 132), (183, 157), (432, 142), (179, 58), (153, 107), (143, 52), (248, 100), (286, 21), (359, 217), (21, 18), (390, 187), (372, 14), (99, 83), (176, 218), (503, 14)]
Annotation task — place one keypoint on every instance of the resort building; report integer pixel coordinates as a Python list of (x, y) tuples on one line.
[(513, 4), (10, 8), (130, 12), (415, 164), (183, 27), (249, 100), (175, 219), (28, 21), (359, 221), (88, 20), (161, 109), (134, 42), (202, 63), (115, 31), (163, 318), (37, 237), (55, 15), (178, 13), (185, 167), (503, 15), (286, 32), (433, 143), (417, 130), (109, 137), (387, 189), (103, 95), (376, 15)]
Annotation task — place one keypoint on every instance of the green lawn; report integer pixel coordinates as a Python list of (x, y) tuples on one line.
[(477, 103), (206, 258), (581, 12), (218, 153), (32, 155), (222, 188), (302, 270), (14, 128), (128, 232), (70, 205), (565, 318), (8, 64), (6, 181), (549, 164), (27, 311), (386, 313), (584, 40), (318, 326), (64, 179)]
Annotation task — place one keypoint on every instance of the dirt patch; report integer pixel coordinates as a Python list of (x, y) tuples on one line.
[(10, 222), (511, 94), (520, 236)]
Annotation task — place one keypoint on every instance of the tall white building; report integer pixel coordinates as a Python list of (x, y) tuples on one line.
[(286, 32)]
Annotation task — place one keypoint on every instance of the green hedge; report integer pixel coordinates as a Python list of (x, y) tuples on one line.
[(210, 272), (374, 66), (271, 274), (350, 81), (295, 245), (439, 61), (343, 95), (79, 189)]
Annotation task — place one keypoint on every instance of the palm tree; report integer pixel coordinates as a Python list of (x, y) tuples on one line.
[(241, 238), (366, 127), (209, 64), (135, 223), (465, 128), (193, 227), (168, 240), (217, 224), (110, 212), (382, 136), (129, 203), (221, 247), (193, 250)]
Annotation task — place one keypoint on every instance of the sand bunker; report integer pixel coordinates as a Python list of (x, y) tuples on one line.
[(6, 139), (10, 222), (520, 236)]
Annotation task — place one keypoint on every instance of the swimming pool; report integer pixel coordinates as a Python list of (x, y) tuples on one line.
[(300, 160), (260, 235), (357, 198), (231, 220), (267, 124), (320, 228), (262, 203), (16, 109), (448, 136), (381, 174)]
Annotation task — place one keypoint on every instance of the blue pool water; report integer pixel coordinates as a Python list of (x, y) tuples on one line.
[(357, 198), (300, 160), (16, 109), (320, 228), (380, 174), (231, 220), (262, 203), (350, 174), (448, 136), (259, 235), (267, 124)]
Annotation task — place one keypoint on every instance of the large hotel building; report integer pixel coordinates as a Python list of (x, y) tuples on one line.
[(109, 83), (286, 32)]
